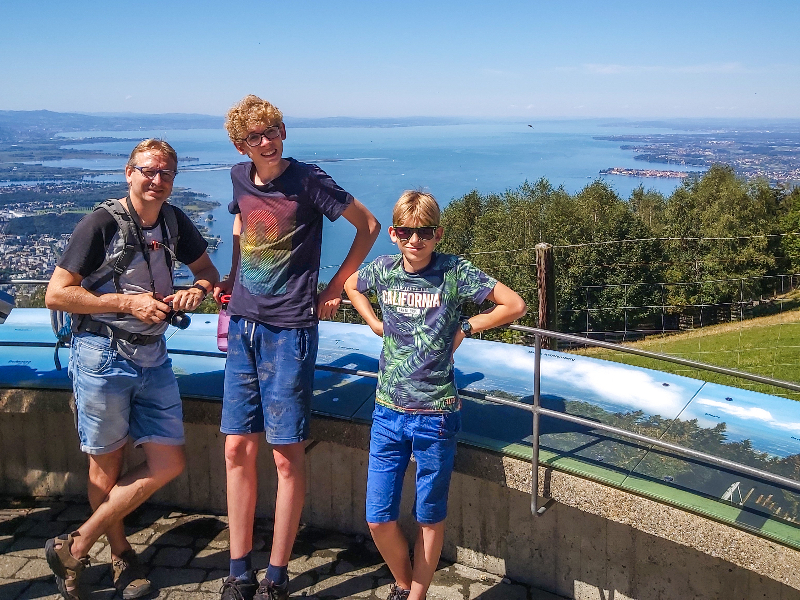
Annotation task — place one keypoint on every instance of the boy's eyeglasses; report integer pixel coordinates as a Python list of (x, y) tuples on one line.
[(424, 233), (166, 174), (254, 140)]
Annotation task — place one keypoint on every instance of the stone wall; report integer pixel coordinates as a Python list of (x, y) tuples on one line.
[(594, 542)]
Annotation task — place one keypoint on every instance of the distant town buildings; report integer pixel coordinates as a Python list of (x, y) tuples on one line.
[(661, 174)]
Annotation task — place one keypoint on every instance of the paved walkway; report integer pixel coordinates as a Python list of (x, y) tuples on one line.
[(188, 557)]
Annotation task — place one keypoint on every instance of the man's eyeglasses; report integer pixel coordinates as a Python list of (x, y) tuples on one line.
[(254, 140), (166, 174), (424, 233)]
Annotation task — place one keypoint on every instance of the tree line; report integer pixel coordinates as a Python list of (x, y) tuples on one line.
[(620, 263)]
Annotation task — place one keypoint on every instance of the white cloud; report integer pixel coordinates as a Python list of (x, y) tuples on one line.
[(608, 382), (630, 387), (750, 413), (742, 412)]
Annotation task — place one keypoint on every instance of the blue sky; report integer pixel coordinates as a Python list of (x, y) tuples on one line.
[(379, 58)]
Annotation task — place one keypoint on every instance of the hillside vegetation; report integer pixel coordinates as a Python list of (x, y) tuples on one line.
[(711, 251), (768, 346)]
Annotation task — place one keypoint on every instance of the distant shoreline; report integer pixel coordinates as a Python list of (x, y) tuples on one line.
[(657, 173)]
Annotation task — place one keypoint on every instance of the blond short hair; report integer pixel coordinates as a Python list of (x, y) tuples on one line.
[(153, 145), (414, 205), (249, 113)]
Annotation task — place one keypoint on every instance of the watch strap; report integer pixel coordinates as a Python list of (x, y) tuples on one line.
[(466, 328)]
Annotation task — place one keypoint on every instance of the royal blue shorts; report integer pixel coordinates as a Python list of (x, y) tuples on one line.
[(395, 436), (269, 380)]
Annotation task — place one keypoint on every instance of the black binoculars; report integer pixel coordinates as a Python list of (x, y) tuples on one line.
[(178, 318)]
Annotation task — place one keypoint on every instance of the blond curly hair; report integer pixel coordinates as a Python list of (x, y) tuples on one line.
[(250, 113)]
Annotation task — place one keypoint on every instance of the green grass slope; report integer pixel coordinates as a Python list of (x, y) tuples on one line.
[(768, 346)]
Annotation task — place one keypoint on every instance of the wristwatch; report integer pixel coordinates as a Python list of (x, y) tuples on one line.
[(466, 328), (201, 287)]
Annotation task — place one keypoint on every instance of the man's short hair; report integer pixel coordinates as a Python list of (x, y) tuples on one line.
[(250, 112), (414, 205), (153, 145)]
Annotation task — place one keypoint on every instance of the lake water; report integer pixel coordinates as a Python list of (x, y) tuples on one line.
[(377, 164)]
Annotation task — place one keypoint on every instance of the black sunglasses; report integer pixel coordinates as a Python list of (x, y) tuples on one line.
[(424, 233)]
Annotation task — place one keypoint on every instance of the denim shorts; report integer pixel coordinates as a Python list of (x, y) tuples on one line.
[(395, 436), (117, 398), (269, 380)]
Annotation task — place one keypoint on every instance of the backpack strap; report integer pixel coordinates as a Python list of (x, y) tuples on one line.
[(127, 229), (61, 322), (170, 233), (168, 212)]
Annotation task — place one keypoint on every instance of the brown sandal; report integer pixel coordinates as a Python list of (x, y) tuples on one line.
[(66, 567), (128, 575)]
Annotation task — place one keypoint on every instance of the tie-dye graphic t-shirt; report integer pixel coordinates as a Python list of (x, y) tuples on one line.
[(421, 314), (281, 242)]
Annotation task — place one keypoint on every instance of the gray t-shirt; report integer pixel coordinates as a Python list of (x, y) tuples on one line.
[(95, 237)]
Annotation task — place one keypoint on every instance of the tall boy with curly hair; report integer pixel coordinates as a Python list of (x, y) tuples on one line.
[(279, 205)]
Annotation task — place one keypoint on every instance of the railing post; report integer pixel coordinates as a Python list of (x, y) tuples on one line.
[(545, 276), (535, 441)]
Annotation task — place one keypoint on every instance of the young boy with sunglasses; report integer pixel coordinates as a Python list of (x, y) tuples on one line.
[(420, 293), (279, 205)]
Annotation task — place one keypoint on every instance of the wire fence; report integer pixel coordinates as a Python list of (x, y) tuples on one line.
[(725, 300), (685, 287)]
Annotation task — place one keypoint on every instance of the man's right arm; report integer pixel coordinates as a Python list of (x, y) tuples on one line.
[(64, 292)]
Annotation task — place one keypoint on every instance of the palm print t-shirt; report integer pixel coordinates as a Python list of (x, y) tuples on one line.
[(421, 314), (281, 241)]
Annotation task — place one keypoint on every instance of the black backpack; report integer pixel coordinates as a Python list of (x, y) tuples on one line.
[(64, 323)]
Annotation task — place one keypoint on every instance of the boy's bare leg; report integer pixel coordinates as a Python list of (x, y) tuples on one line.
[(241, 452), (163, 463), (290, 461), (393, 547), (104, 472), (427, 550)]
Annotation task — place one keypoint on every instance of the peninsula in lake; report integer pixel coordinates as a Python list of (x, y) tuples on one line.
[(769, 152), (41, 204)]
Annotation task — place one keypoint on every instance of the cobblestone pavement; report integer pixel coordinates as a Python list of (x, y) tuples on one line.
[(188, 556)]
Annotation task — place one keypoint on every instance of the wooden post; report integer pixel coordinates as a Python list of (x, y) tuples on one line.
[(545, 275)]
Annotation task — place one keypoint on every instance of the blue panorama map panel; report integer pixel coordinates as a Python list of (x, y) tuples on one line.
[(746, 427)]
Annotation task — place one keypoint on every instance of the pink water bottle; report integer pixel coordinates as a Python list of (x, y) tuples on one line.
[(222, 324)]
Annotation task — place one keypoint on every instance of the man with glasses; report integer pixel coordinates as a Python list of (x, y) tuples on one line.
[(115, 277), (279, 204)]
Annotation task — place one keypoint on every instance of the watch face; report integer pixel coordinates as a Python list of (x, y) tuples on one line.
[(466, 327)]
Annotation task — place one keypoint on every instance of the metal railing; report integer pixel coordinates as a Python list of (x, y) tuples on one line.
[(538, 410)]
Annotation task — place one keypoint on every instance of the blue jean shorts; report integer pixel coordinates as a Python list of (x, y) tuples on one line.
[(117, 398), (269, 380), (395, 436)]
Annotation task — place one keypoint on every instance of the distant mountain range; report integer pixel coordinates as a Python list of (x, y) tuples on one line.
[(28, 125)]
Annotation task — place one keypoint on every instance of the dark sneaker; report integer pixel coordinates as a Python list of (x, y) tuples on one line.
[(128, 575), (269, 591), (66, 567), (237, 589), (397, 593)]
